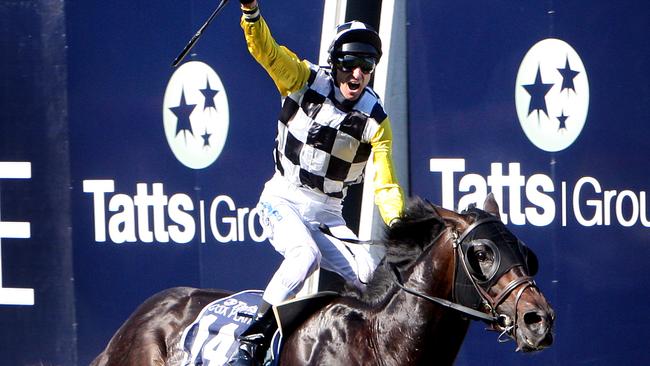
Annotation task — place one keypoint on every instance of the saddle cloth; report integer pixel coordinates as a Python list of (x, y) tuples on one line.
[(211, 340)]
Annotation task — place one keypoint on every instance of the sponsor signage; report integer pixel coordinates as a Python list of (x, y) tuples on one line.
[(542, 106), (168, 163), (121, 176), (151, 216), (195, 114), (552, 95), (532, 199)]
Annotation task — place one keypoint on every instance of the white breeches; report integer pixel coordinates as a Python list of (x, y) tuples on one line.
[(291, 217)]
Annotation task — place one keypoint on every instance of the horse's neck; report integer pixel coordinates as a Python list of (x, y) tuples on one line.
[(424, 330), (425, 278)]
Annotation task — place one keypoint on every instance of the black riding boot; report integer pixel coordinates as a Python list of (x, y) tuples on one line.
[(255, 341)]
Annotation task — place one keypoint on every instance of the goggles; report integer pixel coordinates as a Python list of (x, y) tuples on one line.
[(347, 63)]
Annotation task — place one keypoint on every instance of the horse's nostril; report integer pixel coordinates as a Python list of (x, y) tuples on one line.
[(532, 318), (547, 341)]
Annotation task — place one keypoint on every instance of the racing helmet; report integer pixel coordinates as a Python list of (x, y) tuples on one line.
[(356, 38)]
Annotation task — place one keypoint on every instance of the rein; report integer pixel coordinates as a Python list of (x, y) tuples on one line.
[(326, 230), (397, 279), (475, 314), (502, 321)]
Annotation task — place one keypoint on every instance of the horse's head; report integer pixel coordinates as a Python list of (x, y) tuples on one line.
[(494, 273)]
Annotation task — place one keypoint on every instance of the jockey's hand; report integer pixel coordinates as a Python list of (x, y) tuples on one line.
[(248, 4), (394, 222)]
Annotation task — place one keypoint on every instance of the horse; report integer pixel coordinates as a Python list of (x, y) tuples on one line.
[(441, 270)]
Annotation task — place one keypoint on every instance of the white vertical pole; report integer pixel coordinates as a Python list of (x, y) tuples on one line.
[(391, 84)]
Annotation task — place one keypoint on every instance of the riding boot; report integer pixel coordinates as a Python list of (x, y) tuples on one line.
[(255, 341)]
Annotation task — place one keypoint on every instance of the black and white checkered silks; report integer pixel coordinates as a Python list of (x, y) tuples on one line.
[(322, 143)]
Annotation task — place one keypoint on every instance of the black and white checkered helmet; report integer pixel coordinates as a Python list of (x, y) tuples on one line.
[(355, 37)]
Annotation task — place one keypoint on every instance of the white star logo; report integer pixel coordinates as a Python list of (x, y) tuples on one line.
[(195, 115), (552, 95)]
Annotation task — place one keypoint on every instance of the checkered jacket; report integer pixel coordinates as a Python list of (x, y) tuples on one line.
[(322, 143)]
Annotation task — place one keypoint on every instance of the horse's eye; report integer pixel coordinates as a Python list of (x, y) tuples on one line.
[(482, 256), (482, 253)]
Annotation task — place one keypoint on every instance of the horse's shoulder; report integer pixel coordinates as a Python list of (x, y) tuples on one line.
[(345, 307)]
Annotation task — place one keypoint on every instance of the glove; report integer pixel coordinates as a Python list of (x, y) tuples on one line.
[(394, 222), (250, 10)]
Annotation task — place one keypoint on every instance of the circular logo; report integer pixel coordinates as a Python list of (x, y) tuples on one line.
[(195, 115), (552, 95)]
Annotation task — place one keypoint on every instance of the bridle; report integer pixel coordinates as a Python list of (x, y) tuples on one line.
[(489, 303)]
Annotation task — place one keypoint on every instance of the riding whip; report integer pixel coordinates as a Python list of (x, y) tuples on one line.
[(198, 34)]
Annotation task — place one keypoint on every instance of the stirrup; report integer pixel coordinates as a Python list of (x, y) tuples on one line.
[(249, 352), (255, 341)]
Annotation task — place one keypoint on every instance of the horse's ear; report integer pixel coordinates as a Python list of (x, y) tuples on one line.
[(491, 206)]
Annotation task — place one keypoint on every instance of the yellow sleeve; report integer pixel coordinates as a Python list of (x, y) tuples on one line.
[(389, 197), (285, 68)]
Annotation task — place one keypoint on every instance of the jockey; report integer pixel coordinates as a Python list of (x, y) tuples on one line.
[(330, 122)]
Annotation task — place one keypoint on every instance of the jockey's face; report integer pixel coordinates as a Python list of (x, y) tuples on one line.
[(352, 77)]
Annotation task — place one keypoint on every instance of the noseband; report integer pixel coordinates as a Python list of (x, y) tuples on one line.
[(488, 302)]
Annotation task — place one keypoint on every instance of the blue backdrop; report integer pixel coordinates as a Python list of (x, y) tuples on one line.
[(464, 58), (119, 59), (83, 89)]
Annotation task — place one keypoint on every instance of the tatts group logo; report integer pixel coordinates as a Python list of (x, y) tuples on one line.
[(552, 95), (195, 115)]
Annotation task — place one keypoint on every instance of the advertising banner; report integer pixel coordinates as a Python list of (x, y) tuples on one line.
[(36, 283), (545, 104), (121, 176), (168, 163)]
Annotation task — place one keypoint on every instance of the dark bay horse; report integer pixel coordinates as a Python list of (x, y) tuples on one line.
[(405, 317)]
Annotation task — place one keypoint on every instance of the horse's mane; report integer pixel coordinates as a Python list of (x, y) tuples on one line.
[(416, 229)]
